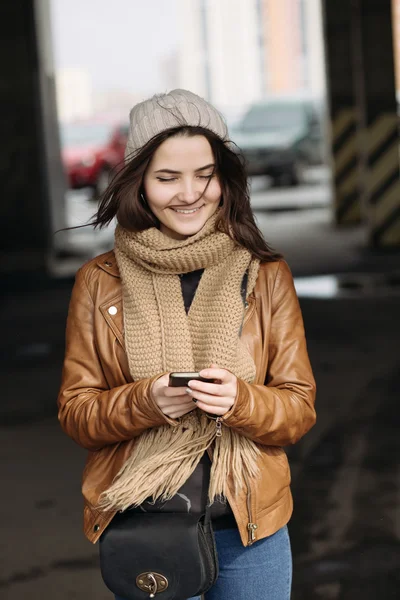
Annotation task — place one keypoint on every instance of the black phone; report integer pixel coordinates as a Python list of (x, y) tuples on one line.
[(182, 379)]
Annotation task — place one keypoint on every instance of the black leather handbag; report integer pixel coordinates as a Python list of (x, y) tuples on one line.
[(171, 556)]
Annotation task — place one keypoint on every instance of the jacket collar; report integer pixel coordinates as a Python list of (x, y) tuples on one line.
[(108, 263)]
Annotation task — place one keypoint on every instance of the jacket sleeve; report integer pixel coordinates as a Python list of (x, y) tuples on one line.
[(281, 411), (89, 412)]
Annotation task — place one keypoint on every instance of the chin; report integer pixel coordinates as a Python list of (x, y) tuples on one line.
[(189, 229)]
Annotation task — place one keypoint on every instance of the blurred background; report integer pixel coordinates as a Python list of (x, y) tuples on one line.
[(309, 89)]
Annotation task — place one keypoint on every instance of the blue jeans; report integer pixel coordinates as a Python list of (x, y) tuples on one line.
[(262, 571)]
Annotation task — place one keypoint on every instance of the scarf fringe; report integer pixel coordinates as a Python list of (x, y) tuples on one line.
[(176, 459)]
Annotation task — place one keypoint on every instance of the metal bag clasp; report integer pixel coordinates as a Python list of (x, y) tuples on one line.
[(151, 582)]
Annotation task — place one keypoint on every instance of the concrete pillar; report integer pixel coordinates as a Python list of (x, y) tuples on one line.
[(381, 193), (32, 178), (345, 116), (364, 120)]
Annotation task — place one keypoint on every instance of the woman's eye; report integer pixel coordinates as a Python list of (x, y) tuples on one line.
[(166, 179)]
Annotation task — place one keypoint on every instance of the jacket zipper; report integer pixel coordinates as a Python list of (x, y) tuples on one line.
[(251, 527), (218, 425)]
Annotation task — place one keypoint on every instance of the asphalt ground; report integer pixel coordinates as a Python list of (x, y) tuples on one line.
[(346, 527)]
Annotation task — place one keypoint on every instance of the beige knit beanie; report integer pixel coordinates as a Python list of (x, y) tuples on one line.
[(165, 111)]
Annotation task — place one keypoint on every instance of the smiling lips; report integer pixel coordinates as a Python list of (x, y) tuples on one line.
[(187, 211)]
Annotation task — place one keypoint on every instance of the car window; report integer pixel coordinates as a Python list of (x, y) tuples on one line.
[(84, 134), (273, 117)]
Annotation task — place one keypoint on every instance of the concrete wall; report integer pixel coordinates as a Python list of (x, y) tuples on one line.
[(31, 176)]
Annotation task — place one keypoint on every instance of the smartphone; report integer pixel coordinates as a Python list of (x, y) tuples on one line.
[(182, 379)]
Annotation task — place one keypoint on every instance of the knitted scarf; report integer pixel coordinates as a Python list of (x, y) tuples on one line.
[(161, 337)]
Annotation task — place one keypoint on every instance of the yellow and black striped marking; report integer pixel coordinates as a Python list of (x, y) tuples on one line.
[(345, 166), (383, 180)]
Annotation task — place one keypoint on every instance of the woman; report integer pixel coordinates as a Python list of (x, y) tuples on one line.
[(190, 286)]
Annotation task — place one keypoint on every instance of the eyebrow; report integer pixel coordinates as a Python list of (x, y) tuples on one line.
[(211, 165)]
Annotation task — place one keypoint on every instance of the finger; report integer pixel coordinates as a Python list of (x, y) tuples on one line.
[(210, 400), (212, 410), (214, 389), (216, 373)]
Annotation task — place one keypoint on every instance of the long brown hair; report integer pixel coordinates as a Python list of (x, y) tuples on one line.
[(124, 197)]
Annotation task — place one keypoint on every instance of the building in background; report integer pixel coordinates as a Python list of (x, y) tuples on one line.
[(74, 94), (77, 101), (236, 52), (313, 48), (169, 70), (283, 51), (221, 52), (114, 105), (293, 47), (233, 52), (193, 71)]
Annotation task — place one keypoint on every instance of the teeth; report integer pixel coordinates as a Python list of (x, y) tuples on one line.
[(186, 211)]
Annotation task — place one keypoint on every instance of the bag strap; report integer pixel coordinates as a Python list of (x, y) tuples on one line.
[(243, 291), (243, 288), (207, 515)]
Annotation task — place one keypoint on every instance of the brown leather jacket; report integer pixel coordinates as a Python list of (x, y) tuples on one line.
[(103, 410)]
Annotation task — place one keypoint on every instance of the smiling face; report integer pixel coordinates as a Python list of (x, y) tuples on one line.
[(175, 183)]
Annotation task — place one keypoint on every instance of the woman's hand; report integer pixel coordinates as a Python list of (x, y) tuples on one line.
[(172, 401), (214, 398)]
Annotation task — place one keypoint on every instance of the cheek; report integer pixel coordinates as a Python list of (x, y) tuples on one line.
[(157, 195), (214, 191)]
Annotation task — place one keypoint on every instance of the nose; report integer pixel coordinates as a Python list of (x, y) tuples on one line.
[(190, 191)]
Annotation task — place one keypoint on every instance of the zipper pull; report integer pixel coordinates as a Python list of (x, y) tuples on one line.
[(218, 425), (251, 527)]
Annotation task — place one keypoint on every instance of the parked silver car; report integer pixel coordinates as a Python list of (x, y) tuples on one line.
[(280, 138)]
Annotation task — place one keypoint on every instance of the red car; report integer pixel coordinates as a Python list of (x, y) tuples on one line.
[(90, 151)]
